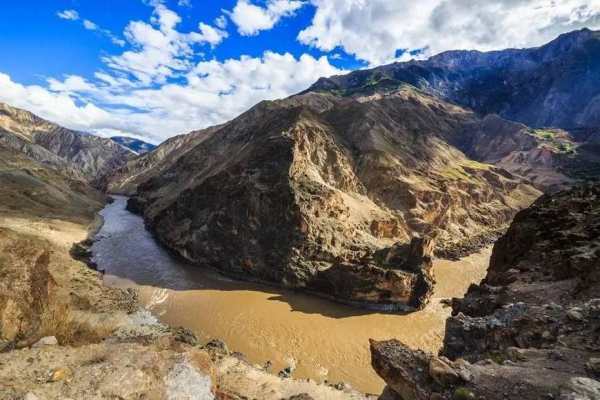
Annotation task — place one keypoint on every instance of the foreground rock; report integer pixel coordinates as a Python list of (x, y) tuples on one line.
[(530, 330), (313, 192)]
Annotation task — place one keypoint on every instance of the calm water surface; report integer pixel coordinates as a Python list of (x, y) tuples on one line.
[(324, 340)]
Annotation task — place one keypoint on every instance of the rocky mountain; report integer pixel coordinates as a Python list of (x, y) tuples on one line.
[(89, 155), (553, 86), (136, 145), (536, 315), (315, 191), (556, 85)]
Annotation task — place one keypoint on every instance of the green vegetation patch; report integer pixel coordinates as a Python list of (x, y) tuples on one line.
[(554, 140)]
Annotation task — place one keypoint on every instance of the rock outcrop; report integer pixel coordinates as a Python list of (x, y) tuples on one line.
[(311, 191), (530, 329)]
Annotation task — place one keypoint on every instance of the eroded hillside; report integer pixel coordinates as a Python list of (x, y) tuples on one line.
[(314, 190)]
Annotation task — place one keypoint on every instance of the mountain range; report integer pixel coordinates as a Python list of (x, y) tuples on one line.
[(347, 190), (320, 190)]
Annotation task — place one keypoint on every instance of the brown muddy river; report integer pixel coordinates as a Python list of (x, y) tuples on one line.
[(323, 339)]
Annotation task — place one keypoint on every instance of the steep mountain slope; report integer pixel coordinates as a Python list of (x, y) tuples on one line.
[(92, 156), (136, 145), (553, 86), (312, 192), (126, 179), (536, 315)]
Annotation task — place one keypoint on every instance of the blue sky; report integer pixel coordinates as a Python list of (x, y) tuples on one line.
[(48, 46), (153, 69)]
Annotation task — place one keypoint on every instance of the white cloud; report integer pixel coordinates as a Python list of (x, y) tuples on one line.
[(72, 83), (184, 3), (71, 15), (221, 22), (59, 107), (212, 92), (89, 25), (373, 30), (250, 19), (159, 50), (209, 34)]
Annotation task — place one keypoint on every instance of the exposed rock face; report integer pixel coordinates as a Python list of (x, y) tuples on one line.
[(542, 275), (307, 191), (535, 316), (90, 155)]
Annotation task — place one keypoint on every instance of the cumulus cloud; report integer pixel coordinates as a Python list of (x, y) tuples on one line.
[(374, 30), (60, 107), (208, 34), (160, 51), (250, 19)]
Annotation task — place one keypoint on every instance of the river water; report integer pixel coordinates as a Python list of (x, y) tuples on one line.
[(323, 339)]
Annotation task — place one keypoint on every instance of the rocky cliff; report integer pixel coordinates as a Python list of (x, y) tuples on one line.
[(530, 329), (312, 192), (91, 156)]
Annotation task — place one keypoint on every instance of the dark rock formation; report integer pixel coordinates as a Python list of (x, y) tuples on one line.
[(531, 329)]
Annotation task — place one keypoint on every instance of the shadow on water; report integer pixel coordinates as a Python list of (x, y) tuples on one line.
[(126, 249)]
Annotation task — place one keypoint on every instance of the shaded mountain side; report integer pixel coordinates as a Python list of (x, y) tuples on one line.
[(535, 316), (136, 145), (92, 156), (9, 141), (550, 158), (310, 190)]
